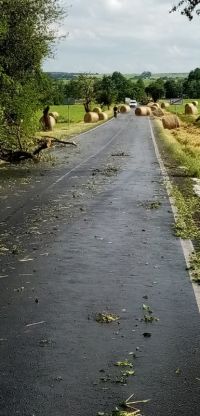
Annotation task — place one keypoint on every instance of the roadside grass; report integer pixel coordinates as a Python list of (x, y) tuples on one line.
[(183, 145), (185, 226), (195, 267), (181, 153)]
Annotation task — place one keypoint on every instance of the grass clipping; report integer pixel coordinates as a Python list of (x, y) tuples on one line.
[(185, 226), (195, 267), (106, 318), (128, 408)]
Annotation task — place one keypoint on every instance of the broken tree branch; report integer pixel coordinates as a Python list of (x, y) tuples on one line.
[(16, 156)]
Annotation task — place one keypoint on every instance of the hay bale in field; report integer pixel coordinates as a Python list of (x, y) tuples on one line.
[(54, 114), (158, 112), (164, 105), (48, 122), (143, 111), (196, 103), (91, 117), (97, 110), (124, 108), (171, 122), (150, 104), (190, 109), (155, 105), (103, 116)]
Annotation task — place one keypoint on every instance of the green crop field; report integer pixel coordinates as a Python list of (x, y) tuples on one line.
[(70, 121), (180, 108), (72, 113)]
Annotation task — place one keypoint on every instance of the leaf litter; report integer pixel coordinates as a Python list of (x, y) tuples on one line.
[(128, 408), (148, 317), (106, 318)]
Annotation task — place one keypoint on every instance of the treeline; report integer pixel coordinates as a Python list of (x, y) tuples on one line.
[(114, 88)]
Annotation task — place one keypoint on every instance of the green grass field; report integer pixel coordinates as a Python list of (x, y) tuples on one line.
[(180, 109), (71, 113), (70, 121)]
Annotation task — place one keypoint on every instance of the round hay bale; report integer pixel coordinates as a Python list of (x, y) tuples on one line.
[(91, 117), (143, 111), (48, 122), (196, 103), (164, 105), (150, 104), (97, 110), (124, 108), (54, 114), (155, 105), (157, 112), (103, 116), (171, 122), (190, 109)]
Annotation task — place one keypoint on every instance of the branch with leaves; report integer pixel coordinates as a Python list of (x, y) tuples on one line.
[(188, 8)]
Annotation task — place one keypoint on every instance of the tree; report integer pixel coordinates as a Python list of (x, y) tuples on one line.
[(121, 85), (82, 88), (145, 75), (156, 90), (192, 84), (188, 7), (173, 88), (26, 38), (105, 91)]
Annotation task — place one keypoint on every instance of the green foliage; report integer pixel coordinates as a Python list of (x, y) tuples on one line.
[(120, 85), (18, 115), (173, 88), (192, 84), (82, 88), (105, 90), (26, 37), (106, 93), (156, 90), (195, 267), (146, 75), (185, 226), (187, 7)]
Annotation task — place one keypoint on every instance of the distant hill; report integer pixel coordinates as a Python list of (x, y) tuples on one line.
[(73, 75), (171, 75), (66, 75)]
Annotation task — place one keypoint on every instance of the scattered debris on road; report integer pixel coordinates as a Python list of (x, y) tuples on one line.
[(106, 318)]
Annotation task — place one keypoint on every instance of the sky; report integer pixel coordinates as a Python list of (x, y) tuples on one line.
[(130, 36)]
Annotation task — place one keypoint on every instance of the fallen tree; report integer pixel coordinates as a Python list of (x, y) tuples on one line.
[(17, 156)]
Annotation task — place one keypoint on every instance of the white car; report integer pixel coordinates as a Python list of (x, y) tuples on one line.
[(133, 103)]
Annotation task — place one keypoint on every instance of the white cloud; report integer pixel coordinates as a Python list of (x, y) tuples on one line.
[(127, 35)]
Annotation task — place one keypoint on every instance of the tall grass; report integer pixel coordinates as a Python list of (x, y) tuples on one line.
[(186, 153)]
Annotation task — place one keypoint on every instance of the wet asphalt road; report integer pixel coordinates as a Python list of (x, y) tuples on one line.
[(114, 254)]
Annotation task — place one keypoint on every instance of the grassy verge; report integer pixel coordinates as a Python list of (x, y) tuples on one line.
[(180, 150), (187, 206), (183, 145), (195, 267)]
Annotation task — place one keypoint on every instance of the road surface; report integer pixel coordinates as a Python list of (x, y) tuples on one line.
[(95, 235)]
